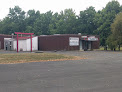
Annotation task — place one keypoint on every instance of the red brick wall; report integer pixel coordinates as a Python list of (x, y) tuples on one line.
[(96, 44), (56, 42)]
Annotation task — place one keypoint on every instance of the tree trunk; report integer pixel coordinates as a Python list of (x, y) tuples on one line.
[(119, 47)]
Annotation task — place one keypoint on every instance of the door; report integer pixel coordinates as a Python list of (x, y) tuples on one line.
[(85, 45), (89, 45)]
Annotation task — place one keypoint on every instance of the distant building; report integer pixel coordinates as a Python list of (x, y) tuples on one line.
[(68, 42), (50, 42), (2, 36), (24, 44)]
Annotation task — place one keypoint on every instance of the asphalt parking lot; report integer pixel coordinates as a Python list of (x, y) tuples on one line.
[(101, 71)]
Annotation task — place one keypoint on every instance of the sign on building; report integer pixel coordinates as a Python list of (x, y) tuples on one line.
[(73, 41), (83, 36), (92, 38)]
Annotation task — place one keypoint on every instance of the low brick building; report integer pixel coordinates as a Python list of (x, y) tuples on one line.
[(61, 42), (67, 42)]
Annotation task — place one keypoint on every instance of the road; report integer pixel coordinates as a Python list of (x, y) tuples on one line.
[(100, 72)]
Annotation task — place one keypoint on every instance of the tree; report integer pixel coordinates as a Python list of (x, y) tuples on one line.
[(104, 18), (46, 20), (41, 24), (53, 24), (111, 42), (16, 14), (85, 21), (32, 17), (64, 23), (17, 18), (14, 21), (116, 28)]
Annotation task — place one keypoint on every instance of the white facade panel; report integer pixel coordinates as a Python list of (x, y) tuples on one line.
[(21, 45), (25, 45), (34, 44)]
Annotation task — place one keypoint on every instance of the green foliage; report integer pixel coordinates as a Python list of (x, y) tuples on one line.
[(85, 21), (104, 18), (53, 24), (16, 14), (66, 22), (111, 42), (88, 22), (116, 27), (14, 22), (32, 18)]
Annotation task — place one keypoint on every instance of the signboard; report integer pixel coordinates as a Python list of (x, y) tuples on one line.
[(92, 38), (83, 36), (73, 41)]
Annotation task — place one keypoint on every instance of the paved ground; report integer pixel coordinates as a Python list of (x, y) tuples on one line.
[(9, 52), (100, 72)]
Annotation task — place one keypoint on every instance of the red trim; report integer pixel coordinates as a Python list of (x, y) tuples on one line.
[(24, 37), (85, 38), (24, 33), (17, 42), (31, 43)]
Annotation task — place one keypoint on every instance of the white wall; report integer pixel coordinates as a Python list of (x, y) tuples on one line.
[(34, 44), (25, 45), (21, 45), (14, 45)]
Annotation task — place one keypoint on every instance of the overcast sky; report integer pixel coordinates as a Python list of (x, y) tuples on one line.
[(53, 5)]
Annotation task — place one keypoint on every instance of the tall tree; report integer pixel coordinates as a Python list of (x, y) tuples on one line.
[(16, 13), (116, 28), (7, 26), (14, 21), (41, 25), (32, 17), (17, 17), (104, 18), (53, 24), (85, 21), (65, 22)]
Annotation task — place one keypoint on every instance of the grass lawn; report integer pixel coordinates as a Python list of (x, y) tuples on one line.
[(102, 48), (33, 57)]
